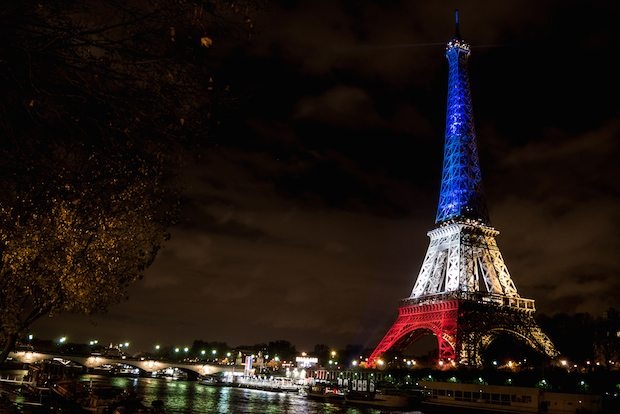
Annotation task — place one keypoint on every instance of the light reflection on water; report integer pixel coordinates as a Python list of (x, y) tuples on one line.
[(183, 397)]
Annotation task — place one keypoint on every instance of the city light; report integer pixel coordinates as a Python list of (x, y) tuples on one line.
[(186, 349), (157, 347), (62, 339)]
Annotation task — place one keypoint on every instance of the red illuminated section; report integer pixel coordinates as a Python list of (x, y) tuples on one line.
[(414, 321)]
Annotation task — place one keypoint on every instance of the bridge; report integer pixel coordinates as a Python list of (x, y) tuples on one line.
[(146, 365)]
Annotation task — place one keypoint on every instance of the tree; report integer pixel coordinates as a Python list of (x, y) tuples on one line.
[(321, 351), (283, 349), (100, 100), (573, 334)]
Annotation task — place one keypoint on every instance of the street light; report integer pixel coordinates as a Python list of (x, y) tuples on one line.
[(62, 340), (157, 347)]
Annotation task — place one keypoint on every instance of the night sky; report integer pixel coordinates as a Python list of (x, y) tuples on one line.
[(305, 214)]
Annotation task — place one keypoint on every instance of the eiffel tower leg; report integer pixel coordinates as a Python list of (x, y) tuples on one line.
[(447, 338), (392, 335), (469, 352), (480, 324), (440, 318)]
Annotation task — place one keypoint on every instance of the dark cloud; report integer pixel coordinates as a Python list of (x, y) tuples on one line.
[(306, 217), (343, 104), (564, 190)]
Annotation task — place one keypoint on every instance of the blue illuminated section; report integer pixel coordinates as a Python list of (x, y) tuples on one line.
[(461, 195)]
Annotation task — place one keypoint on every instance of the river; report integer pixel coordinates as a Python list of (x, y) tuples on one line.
[(184, 397), (191, 397)]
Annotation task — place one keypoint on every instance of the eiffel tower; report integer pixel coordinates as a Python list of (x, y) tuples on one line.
[(464, 294)]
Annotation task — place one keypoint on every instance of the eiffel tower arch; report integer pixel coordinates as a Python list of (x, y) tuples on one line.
[(464, 294)]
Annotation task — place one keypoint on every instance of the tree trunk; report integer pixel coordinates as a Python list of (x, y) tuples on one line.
[(7, 347)]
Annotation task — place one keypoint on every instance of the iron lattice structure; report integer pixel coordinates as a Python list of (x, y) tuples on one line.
[(464, 294), (461, 194)]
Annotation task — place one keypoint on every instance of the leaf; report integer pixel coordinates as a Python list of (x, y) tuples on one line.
[(206, 41)]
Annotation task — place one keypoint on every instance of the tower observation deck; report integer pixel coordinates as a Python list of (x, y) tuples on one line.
[(464, 294)]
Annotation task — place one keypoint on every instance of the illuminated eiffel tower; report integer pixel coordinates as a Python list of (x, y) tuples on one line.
[(464, 294)]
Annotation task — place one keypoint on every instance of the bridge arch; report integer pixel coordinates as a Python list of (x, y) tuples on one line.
[(62, 360)]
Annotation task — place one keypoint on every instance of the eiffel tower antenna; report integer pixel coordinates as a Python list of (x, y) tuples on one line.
[(457, 34), (464, 294)]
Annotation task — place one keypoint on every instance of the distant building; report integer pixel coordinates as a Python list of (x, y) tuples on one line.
[(304, 361)]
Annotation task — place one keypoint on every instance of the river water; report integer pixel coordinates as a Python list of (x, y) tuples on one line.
[(192, 397), (185, 397)]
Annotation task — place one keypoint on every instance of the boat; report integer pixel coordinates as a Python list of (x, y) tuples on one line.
[(387, 398), (324, 392), (213, 381), (276, 384), (122, 370), (171, 374), (508, 399)]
